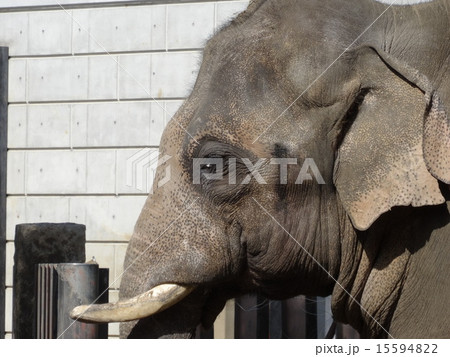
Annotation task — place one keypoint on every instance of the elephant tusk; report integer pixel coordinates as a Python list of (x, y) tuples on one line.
[(152, 301)]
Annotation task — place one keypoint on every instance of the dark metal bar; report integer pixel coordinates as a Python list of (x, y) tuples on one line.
[(251, 317), (44, 298), (276, 319), (311, 317), (262, 317), (324, 316), (103, 285), (245, 317), (202, 333), (37, 290), (3, 166), (48, 303), (53, 302), (294, 318)]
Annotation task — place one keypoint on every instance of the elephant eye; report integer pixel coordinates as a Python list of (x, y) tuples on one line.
[(208, 168)]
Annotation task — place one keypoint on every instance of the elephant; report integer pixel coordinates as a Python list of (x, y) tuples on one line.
[(311, 157)]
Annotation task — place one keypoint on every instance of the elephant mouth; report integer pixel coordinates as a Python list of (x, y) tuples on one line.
[(155, 300)]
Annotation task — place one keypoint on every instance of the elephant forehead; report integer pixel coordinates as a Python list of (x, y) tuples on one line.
[(259, 132), (240, 127), (403, 2), (240, 119)]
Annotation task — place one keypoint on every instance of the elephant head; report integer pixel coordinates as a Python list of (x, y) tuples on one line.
[(310, 134)]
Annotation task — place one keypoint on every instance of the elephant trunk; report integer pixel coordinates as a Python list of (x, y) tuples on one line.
[(169, 271)]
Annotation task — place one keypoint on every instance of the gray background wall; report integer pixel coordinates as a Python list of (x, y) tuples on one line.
[(91, 87)]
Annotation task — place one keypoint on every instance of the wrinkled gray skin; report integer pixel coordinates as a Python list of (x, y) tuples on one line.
[(375, 123)]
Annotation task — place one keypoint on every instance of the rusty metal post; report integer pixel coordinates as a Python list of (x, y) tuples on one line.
[(61, 287), (77, 285)]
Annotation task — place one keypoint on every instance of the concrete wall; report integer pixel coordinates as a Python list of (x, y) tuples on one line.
[(91, 88)]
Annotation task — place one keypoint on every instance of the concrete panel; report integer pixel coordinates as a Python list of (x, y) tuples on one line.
[(174, 74), (79, 131), (61, 172), (158, 121), (17, 126), (113, 328), (224, 324), (120, 29), (53, 79), (159, 28), (162, 113), (8, 309), (189, 25), (101, 171), (16, 172), (17, 79), (64, 172), (102, 77), (107, 218), (226, 11), (20, 3), (134, 76), (48, 126), (50, 32), (123, 29), (15, 214), (113, 297), (9, 263), (80, 31), (118, 124), (47, 209), (14, 32)]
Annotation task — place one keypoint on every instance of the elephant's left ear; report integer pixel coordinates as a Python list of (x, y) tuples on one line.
[(397, 146)]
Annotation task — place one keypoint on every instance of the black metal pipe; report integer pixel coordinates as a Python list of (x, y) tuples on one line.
[(3, 166), (61, 287)]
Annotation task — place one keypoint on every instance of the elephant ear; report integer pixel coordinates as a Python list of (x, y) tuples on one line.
[(397, 144), (436, 139)]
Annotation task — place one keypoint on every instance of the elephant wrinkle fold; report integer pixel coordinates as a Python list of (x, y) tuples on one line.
[(355, 87)]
